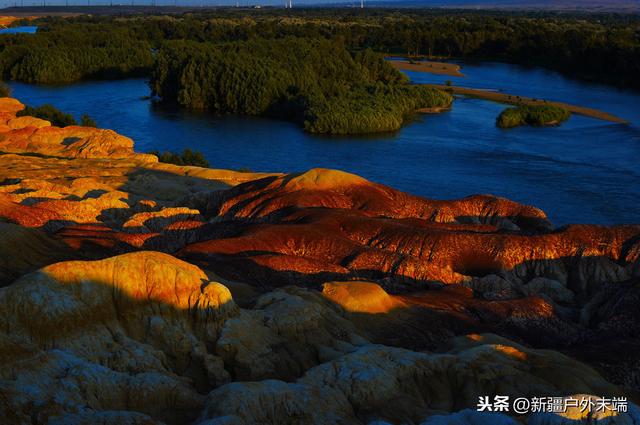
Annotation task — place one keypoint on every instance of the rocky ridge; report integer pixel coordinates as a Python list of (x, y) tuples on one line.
[(141, 292)]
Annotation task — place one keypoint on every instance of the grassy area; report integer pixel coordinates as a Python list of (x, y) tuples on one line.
[(535, 115)]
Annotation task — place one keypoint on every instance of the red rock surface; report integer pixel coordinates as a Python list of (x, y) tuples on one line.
[(325, 263), (305, 241), (339, 190)]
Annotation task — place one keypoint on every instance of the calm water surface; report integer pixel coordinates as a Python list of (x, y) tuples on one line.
[(586, 171), (19, 30)]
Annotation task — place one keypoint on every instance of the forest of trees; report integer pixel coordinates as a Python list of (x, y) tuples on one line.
[(603, 47), (315, 82), (316, 67), (69, 52), (535, 115), (374, 108)]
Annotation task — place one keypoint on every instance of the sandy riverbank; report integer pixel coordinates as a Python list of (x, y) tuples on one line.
[(439, 68), (521, 100)]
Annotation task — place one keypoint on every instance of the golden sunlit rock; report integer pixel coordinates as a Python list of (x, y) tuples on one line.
[(360, 297), (357, 303)]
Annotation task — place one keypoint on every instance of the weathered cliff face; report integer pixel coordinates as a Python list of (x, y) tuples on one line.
[(354, 302)]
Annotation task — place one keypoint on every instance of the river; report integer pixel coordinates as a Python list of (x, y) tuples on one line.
[(19, 30), (585, 171)]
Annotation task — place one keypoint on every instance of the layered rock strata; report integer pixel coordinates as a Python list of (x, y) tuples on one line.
[(140, 292)]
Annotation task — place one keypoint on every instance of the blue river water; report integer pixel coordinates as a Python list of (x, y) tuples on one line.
[(585, 171), (19, 30)]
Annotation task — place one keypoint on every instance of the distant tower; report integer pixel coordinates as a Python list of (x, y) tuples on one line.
[(290, 4), (361, 4)]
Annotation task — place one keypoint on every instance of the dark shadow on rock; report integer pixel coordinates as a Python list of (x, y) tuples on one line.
[(34, 201), (70, 141), (124, 314), (94, 194), (307, 262)]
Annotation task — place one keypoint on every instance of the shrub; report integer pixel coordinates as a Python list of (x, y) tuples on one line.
[(535, 115), (5, 90), (188, 157), (50, 113), (87, 121)]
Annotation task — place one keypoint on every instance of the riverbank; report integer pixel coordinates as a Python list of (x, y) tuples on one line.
[(521, 100), (438, 68)]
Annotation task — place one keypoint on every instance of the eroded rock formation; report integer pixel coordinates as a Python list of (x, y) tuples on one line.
[(354, 302)]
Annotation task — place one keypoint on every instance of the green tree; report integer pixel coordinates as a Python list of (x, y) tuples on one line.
[(315, 82)]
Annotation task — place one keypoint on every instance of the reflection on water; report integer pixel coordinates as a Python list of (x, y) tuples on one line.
[(585, 171)]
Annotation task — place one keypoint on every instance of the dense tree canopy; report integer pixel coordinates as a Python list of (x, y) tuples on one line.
[(601, 47), (316, 82), (315, 66), (64, 53), (373, 108)]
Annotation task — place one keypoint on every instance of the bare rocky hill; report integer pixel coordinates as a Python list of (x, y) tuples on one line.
[(137, 292)]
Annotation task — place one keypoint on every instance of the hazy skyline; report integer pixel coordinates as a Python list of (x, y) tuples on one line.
[(551, 4)]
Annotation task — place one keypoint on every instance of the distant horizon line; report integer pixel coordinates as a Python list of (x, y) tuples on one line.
[(627, 6), (382, 4)]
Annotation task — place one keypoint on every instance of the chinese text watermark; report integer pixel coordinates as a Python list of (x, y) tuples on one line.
[(524, 405)]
